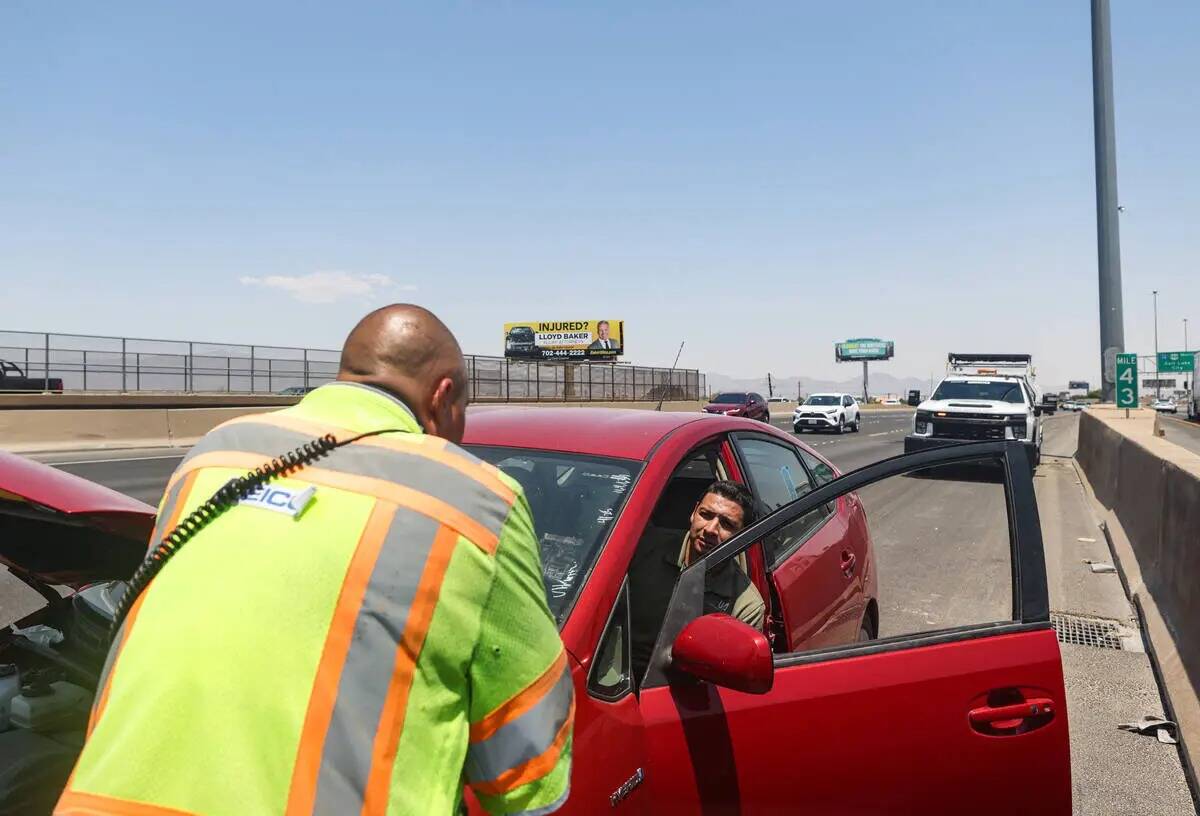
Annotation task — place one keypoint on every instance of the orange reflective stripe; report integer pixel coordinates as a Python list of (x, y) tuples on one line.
[(405, 497), (532, 770), (391, 720), (76, 803), (303, 790), (520, 702)]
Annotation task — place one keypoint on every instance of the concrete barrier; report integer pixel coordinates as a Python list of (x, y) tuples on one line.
[(1152, 489), (174, 423)]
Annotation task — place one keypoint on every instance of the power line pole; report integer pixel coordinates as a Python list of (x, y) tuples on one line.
[(1108, 239), (1157, 375), (770, 386)]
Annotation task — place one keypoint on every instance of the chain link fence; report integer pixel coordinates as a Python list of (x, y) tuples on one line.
[(129, 364)]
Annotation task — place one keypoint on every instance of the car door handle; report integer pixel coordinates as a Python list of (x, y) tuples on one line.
[(1016, 712), (849, 561)]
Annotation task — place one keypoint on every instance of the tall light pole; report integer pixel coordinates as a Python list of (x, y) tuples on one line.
[(1157, 376), (1185, 345), (1112, 320)]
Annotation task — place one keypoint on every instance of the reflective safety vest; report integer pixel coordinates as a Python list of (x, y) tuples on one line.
[(363, 635)]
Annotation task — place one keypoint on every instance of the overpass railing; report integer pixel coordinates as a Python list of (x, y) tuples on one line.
[(95, 363)]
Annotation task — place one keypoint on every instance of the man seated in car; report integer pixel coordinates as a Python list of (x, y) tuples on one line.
[(724, 509)]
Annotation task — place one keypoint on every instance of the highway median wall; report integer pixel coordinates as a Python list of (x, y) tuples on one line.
[(41, 423), (1151, 489)]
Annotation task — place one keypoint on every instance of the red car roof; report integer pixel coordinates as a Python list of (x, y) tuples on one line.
[(624, 433)]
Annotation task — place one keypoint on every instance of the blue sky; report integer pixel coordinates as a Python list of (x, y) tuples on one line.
[(759, 180)]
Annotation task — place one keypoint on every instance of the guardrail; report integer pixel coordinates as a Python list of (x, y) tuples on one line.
[(98, 363)]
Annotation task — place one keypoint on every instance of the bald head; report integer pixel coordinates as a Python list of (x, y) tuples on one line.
[(408, 351)]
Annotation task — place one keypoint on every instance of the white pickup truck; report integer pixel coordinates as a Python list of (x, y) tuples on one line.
[(982, 397)]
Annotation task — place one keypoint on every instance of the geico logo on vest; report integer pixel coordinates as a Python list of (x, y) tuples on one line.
[(281, 499)]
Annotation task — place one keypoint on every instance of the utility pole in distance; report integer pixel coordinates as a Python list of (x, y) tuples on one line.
[(1108, 239), (770, 386)]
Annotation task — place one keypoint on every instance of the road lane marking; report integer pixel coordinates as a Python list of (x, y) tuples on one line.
[(881, 433), (107, 461)]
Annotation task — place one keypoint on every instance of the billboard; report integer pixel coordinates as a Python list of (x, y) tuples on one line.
[(864, 348), (565, 340), (1078, 385)]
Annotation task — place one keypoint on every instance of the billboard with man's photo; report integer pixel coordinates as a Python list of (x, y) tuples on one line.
[(565, 340)]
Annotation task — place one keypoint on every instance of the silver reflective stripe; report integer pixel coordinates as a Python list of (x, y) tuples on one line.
[(412, 470), (111, 658), (168, 510), (367, 672), (525, 738)]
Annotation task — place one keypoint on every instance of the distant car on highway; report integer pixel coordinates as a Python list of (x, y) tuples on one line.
[(778, 399), (1049, 403), (297, 390), (739, 404), (1071, 405), (827, 412), (890, 401), (12, 378), (1165, 406), (977, 401)]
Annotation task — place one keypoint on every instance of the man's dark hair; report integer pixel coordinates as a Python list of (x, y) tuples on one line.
[(734, 492)]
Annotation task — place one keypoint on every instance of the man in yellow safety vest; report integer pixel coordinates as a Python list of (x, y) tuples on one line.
[(359, 626)]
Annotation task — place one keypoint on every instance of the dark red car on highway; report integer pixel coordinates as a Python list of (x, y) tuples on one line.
[(739, 404), (822, 711)]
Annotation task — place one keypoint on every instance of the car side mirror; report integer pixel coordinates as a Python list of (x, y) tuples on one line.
[(722, 650), (1037, 410)]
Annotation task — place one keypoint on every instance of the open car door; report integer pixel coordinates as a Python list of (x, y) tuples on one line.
[(957, 706)]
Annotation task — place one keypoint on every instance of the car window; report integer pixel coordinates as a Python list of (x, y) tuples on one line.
[(939, 546), (730, 398), (778, 477), (821, 472), (991, 390), (611, 676), (575, 500)]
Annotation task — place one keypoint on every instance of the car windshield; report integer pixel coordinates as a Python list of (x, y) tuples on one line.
[(575, 501), (521, 334), (731, 398), (823, 400), (993, 391)]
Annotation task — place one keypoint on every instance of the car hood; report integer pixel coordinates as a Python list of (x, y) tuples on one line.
[(965, 406), (59, 528)]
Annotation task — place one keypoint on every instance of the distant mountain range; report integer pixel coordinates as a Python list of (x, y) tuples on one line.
[(881, 384)]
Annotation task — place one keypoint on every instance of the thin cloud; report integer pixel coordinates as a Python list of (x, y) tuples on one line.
[(328, 287)]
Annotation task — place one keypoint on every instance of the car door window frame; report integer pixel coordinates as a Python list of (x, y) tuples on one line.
[(626, 687), (1030, 597), (744, 467)]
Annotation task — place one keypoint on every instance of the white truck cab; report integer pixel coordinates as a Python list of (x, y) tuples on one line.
[(982, 397)]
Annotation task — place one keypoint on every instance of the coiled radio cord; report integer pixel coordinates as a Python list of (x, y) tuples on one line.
[(230, 494)]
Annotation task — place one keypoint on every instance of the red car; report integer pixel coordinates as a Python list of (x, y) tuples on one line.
[(739, 404), (816, 713)]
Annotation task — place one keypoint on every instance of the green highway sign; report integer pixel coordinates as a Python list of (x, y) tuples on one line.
[(1127, 381), (1176, 362)]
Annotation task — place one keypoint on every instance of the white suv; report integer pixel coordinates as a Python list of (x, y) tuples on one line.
[(827, 412), (978, 407)]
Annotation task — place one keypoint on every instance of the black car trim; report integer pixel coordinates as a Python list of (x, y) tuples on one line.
[(912, 640)]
